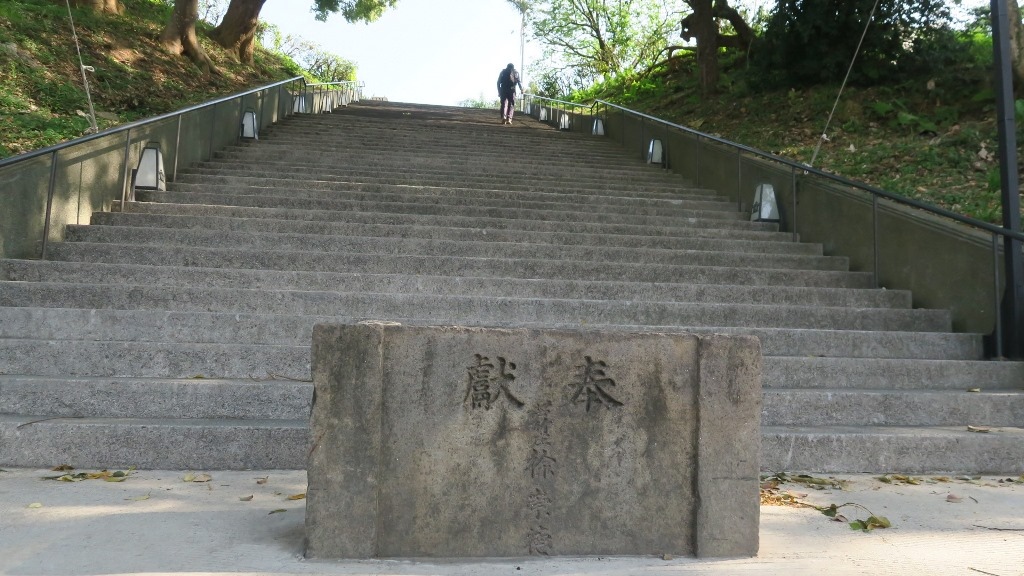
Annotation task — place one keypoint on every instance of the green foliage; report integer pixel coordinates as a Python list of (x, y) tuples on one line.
[(480, 102), (593, 40), (812, 41), (304, 57), (353, 10)]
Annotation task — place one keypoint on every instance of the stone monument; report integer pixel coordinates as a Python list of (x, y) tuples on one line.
[(468, 442)]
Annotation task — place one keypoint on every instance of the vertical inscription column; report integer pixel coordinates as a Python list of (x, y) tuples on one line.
[(542, 468)]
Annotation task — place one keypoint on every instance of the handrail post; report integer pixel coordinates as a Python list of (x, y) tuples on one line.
[(177, 149), (262, 97), (241, 112), (792, 174), (739, 179), (643, 128), (124, 179), (874, 239), (697, 179), (213, 124), (998, 334), (49, 203)]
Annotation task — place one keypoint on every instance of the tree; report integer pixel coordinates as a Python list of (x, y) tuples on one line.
[(813, 41), (603, 39), (179, 36), (702, 25), (1016, 42), (237, 30), (312, 57)]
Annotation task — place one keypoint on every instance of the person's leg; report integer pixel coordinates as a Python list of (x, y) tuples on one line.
[(505, 105)]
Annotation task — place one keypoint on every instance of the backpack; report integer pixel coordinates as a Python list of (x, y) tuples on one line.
[(509, 79)]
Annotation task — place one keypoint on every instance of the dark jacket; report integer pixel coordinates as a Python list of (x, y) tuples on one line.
[(508, 80)]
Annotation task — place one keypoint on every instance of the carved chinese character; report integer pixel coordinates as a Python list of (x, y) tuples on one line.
[(593, 385), (487, 382), (541, 465), (539, 540), (540, 504)]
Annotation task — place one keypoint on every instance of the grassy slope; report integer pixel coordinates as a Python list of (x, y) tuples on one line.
[(933, 139), (42, 101)]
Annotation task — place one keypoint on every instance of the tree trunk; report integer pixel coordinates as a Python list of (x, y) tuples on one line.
[(1016, 43), (744, 36), (705, 31), (108, 6), (179, 36), (237, 30)]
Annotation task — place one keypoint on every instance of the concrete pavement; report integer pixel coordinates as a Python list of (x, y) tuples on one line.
[(155, 523)]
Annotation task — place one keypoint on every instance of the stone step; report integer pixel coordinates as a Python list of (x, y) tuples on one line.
[(542, 169), (330, 190), (441, 266), (44, 357), (280, 199), (883, 449), (329, 246), (296, 330), (275, 400), (484, 225), (844, 407), (283, 444), (281, 226), (80, 358), (190, 277), (345, 134), (447, 191), (322, 179), (425, 172), (151, 443), (465, 310), (516, 159), (894, 374), (97, 397)]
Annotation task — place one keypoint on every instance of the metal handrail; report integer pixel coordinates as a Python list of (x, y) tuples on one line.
[(137, 124), (564, 102), (177, 119), (560, 105), (829, 176), (357, 83)]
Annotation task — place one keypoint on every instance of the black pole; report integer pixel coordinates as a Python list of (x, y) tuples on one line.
[(1014, 294)]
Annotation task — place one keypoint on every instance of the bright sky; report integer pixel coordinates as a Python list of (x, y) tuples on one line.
[(427, 51), (424, 51)]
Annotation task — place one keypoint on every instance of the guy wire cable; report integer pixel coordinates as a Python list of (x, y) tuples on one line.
[(824, 132), (84, 69)]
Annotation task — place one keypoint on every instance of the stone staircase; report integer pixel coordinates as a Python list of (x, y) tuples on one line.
[(175, 332)]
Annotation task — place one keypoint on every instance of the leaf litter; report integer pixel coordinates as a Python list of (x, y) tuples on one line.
[(772, 495), (105, 475), (191, 477)]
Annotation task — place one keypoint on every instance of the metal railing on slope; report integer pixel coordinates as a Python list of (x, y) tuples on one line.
[(695, 161), (43, 190), (560, 113), (323, 97)]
